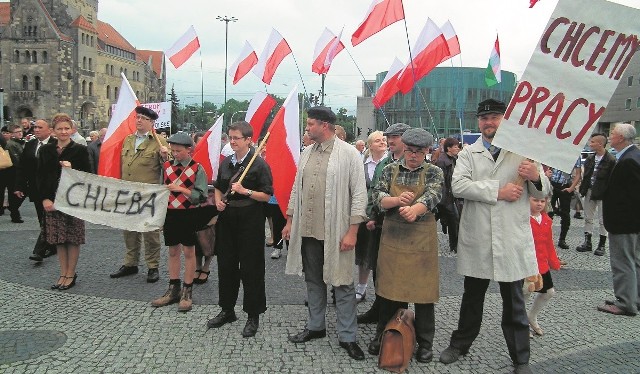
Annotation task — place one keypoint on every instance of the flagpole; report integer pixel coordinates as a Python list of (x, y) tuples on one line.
[(201, 88), (304, 88), (366, 85), (413, 72)]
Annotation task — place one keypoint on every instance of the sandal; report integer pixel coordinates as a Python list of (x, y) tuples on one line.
[(60, 282), (200, 280)]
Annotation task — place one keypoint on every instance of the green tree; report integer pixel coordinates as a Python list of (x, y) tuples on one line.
[(175, 111), (348, 122)]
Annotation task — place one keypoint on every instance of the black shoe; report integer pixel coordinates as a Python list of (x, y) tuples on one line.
[(451, 355), (35, 257), (124, 271), (50, 252), (224, 317), (306, 335), (374, 345), (370, 316), (353, 350), (70, 285), (251, 328), (153, 275), (57, 285), (563, 244), (17, 220), (424, 355), (577, 215)]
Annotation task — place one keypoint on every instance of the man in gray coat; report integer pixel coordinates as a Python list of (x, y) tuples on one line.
[(495, 241)]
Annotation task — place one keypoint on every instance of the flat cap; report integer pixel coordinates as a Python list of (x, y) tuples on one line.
[(147, 112), (181, 138), (396, 129), (491, 106), (420, 138), (322, 113)]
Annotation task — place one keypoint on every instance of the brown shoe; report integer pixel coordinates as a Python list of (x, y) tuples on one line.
[(185, 300), (172, 296)]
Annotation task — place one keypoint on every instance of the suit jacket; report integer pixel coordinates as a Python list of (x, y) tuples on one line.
[(94, 155), (621, 203), (143, 164), (27, 170), (49, 168)]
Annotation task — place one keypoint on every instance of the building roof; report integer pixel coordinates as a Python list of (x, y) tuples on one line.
[(5, 13), (110, 36), (157, 59), (82, 23)]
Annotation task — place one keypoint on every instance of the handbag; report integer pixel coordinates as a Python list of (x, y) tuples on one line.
[(5, 159), (398, 342)]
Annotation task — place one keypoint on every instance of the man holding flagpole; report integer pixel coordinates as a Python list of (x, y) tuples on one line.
[(143, 154)]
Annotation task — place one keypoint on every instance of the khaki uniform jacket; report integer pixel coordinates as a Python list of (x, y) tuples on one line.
[(144, 164)]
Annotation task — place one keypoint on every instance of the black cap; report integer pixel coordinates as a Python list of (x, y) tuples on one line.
[(147, 112), (491, 106), (322, 113)]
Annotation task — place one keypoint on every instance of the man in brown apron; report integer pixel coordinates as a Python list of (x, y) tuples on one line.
[(408, 191)]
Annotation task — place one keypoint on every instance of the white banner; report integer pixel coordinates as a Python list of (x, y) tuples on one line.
[(569, 80), (164, 113), (112, 202)]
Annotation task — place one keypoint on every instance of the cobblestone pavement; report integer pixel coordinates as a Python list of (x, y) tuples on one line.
[(106, 325)]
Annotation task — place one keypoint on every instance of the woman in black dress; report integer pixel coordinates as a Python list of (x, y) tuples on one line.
[(62, 230)]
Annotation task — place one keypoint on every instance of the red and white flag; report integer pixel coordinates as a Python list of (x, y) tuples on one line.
[(283, 149), (327, 47), (532, 3), (430, 49), (207, 151), (381, 14), (258, 111), (389, 86), (452, 40), (123, 123), (184, 48), (274, 52), (245, 62)]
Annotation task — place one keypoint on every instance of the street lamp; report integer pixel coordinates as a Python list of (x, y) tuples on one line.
[(226, 20)]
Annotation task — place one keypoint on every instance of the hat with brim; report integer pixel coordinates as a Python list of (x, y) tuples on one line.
[(396, 129), (420, 138), (491, 106), (181, 138), (147, 112)]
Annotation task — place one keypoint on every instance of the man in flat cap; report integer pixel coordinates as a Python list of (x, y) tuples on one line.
[(494, 241), (143, 154), (407, 193), (395, 152), (322, 228)]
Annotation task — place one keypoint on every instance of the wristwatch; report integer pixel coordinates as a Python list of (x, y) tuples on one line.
[(249, 192)]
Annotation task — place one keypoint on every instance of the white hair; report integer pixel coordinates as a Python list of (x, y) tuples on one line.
[(627, 131)]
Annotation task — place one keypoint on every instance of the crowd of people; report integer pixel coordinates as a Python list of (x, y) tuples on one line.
[(373, 205)]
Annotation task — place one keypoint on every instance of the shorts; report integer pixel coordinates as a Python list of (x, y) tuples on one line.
[(179, 227)]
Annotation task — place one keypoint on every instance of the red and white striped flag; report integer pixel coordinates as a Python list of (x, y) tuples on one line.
[(430, 49), (452, 40), (283, 149), (207, 151), (258, 111), (123, 123), (389, 86), (184, 48), (274, 52), (381, 14), (245, 62), (327, 47)]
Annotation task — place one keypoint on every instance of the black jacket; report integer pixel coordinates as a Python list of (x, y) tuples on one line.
[(621, 203), (27, 170), (602, 177), (49, 168)]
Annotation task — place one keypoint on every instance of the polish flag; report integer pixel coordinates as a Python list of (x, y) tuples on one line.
[(123, 123), (258, 111), (452, 40), (283, 149), (327, 47), (389, 86), (274, 52), (245, 62), (430, 49), (381, 14), (207, 151), (184, 48), (532, 3)]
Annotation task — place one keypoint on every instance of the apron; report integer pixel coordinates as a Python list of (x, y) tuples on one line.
[(408, 259)]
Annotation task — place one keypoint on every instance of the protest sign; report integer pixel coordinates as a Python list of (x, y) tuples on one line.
[(164, 113), (112, 202), (569, 80)]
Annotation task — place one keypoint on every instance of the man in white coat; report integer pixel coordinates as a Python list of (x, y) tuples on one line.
[(322, 228), (495, 241)]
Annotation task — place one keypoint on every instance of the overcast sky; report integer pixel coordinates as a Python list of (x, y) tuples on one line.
[(476, 22)]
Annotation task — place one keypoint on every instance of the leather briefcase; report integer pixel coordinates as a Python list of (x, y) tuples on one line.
[(398, 342)]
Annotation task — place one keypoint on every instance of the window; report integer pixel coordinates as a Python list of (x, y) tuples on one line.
[(45, 58), (84, 62), (82, 38), (84, 87), (90, 64), (627, 104), (115, 93), (34, 57), (126, 73), (35, 29), (111, 69), (25, 83), (90, 88), (38, 83), (106, 69), (16, 57), (108, 92), (92, 40), (638, 103), (630, 81), (27, 56)]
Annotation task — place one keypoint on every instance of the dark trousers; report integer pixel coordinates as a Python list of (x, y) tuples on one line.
[(450, 217), (515, 325), (564, 202), (374, 248), (425, 323), (240, 256), (14, 201), (278, 221), (41, 245)]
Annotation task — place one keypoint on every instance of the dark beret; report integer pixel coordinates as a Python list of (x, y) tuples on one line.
[(147, 112), (491, 106), (420, 138), (396, 129), (322, 113), (181, 138)]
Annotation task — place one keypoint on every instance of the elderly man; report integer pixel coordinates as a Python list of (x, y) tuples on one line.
[(360, 146), (26, 183), (621, 205), (323, 226), (494, 243), (75, 135), (408, 192), (94, 150), (143, 154)]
